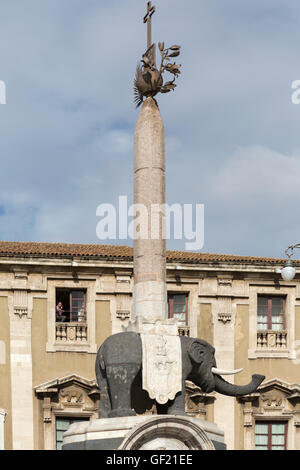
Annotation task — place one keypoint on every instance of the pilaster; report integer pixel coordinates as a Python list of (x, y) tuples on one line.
[(21, 364)]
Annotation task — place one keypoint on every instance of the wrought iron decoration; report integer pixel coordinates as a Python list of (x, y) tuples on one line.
[(149, 79)]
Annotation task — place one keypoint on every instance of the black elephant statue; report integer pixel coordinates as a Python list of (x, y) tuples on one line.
[(118, 371)]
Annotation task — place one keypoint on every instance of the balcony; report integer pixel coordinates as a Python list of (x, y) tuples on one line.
[(184, 331), (71, 327), (270, 339), (71, 332)]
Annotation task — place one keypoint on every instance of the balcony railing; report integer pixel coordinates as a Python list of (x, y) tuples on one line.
[(270, 339), (184, 331), (74, 332)]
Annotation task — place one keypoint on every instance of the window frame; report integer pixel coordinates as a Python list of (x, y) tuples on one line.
[(270, 315), (171, 305), (72, 419), (69, 292), (258, 287), (270, 435), (90, 287)]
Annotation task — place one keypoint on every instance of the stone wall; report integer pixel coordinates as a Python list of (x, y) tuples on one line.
[(41, 378)]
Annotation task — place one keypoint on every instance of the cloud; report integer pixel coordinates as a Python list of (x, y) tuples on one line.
[(256, 199), (232, 140), (258, 173)]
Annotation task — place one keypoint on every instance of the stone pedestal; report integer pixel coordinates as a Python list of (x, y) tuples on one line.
[(159, 432)]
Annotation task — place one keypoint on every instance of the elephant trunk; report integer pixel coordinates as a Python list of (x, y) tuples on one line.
[(225, 388)]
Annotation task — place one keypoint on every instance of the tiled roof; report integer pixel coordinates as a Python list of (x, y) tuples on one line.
[(119, 252), (62, 250)]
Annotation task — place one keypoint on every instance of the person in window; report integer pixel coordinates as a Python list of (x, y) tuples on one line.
[(59, 312)]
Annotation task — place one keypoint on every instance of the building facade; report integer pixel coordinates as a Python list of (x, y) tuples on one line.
[(59, 302)]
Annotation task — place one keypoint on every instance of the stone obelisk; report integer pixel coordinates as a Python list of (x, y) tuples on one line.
[(150, 295), (150, 344), (150, 291)]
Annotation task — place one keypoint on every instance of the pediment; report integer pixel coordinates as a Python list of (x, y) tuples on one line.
[(280, 386), (71, 382), (276, 394), (69, 395)]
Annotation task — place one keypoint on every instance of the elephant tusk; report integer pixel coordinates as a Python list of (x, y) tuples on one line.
[(225, 372)]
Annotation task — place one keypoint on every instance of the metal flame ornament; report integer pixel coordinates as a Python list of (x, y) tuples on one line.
[(148, 78)]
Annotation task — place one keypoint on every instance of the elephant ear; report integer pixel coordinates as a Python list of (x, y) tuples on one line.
[(102, 363), (197, 351)]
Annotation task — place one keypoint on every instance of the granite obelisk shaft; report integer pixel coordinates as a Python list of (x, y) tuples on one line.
[(150, 294)]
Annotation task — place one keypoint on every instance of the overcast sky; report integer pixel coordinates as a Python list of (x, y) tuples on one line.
[(232, 131)]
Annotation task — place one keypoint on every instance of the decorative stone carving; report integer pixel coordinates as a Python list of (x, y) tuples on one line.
[(224, 317), (20, 311), (271, 339), (225, 309), (275, 400), (248, 408), (162, 375), (184, 330), (196, 401), (47, 409), (158, 327), (272, 400), (71, 333), (62, 393), (71, 394), (247, 412), (225, 281), (20, 303), (123, 305), (123, 314)]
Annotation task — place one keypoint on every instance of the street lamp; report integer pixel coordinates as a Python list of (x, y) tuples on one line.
[(288, 272)]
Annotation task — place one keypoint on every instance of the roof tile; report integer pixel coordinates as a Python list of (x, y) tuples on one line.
[(96, 251)]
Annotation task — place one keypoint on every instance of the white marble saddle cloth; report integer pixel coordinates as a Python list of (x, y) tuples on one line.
[(162, 373)]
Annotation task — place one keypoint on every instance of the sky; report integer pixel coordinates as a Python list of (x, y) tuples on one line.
[(232, 130)]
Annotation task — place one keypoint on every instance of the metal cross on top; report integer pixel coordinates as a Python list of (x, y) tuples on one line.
[(149, 78), (147, 19)]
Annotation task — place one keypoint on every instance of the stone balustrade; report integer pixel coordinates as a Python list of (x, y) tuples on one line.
[(71, 332), (270, 339), (184, 330)]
